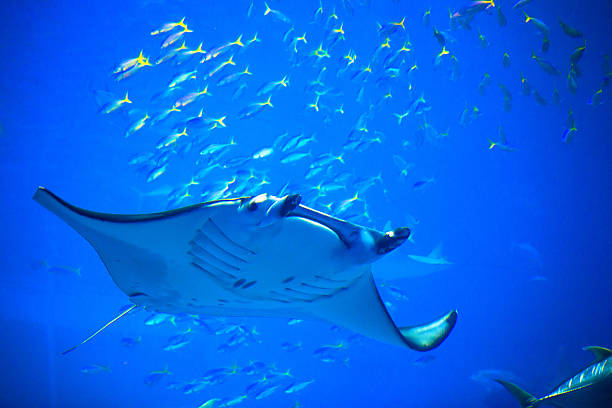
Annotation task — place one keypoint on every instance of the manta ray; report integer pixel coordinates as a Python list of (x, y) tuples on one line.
[(250, 256)]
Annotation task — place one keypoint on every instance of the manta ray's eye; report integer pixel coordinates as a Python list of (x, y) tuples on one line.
[(252, 206)]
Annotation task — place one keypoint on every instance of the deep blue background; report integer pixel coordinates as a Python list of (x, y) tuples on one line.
[(483, 203)]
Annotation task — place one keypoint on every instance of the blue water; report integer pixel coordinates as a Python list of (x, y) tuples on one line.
[(527, 231)]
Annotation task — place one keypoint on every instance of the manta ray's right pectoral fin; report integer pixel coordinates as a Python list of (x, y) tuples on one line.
[(429, 335), (360, 308)]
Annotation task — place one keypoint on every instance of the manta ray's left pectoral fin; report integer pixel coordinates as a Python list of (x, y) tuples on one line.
[(429, 335)]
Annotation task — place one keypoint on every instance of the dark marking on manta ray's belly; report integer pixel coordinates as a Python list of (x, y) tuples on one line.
[(239, 282), (137, 294), (249, 284), (289, 279), (139, 259)]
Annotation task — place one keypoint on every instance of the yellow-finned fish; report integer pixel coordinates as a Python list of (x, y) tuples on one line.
[(112, 106), (169, 27)]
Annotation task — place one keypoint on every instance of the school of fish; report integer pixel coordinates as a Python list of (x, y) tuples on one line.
[(340, 83)]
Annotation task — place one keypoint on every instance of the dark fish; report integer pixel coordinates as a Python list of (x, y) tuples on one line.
[(577, 54), (525, 87), (521, 3), (422, 183), (545, 65), (439, 36), (570, 31), (501, 18), (506, 60), (539, 98)]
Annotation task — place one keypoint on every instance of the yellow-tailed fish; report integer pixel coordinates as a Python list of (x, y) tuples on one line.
[(136, 126), (506, 60), (223, 48), (171, 139), (231, 78), (271, 86), (229, 61), (570, 31), (128, 64), (171, 54), (198, 50), (254, 109), (276, 14), (180, 78), (190, 97), (112, 106), (577, 54), (538, 24), (545, 65), (172, 38), (169, 27), (163, 115)]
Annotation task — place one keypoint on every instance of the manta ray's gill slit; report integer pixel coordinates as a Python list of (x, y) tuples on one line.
[(319, 292), (245, 251), (198, 263), (330, 279), (287, 280), (239, 282), (206, 242), (308, 285), (202, 253), (278, 297), (307, 296)]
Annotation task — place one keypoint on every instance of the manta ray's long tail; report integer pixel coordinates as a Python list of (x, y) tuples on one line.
[(100, 329)]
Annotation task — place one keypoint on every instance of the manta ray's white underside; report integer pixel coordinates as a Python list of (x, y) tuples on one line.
[(248, 257)]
